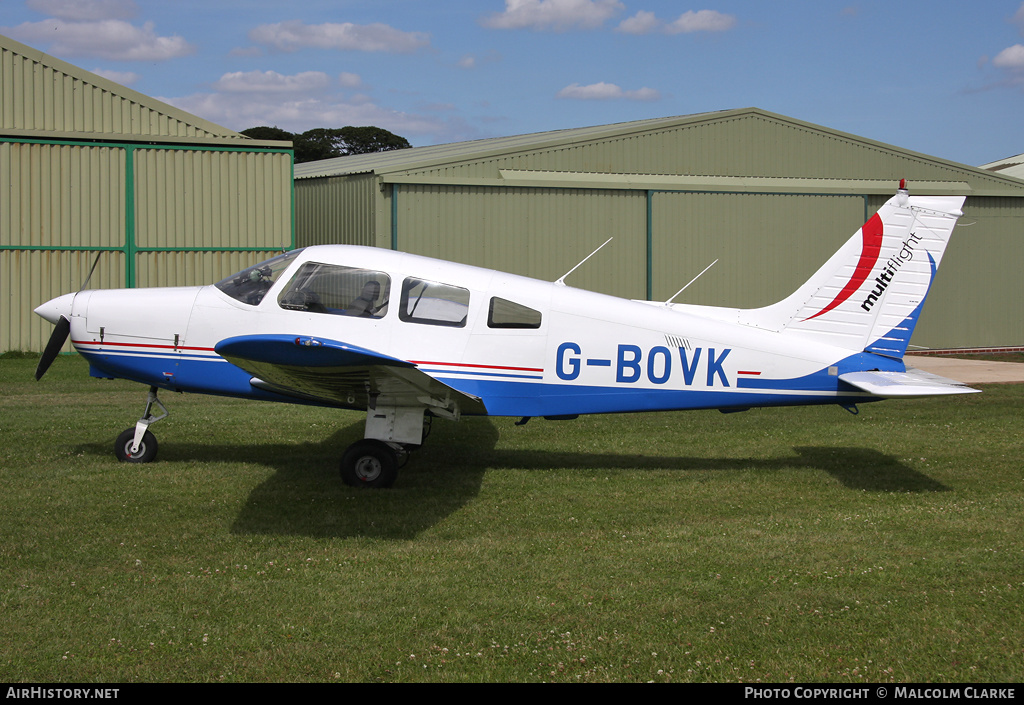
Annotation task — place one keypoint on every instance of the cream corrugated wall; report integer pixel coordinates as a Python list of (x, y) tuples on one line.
[(29, 278), (61, 195), (200, 214), (540, 233), (766, 245), (202, 198), (338, 210), (54, 197)]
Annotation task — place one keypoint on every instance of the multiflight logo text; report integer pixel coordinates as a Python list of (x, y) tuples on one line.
[(889, 270)]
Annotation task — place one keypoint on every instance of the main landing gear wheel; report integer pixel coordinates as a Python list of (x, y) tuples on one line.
[(369, 463), (123, 447)]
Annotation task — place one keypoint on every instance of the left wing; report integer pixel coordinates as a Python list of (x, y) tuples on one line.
[(912, 383), (329, 371)]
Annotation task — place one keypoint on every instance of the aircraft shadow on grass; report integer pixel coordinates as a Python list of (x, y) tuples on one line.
[(305, 496)]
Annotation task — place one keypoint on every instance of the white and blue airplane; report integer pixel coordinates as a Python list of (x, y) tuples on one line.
[(407, 338)]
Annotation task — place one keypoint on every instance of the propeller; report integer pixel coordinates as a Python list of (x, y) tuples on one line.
[(62, 326), (60, 334)]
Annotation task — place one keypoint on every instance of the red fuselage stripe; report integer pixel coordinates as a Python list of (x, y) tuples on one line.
[(137, 345), (483, 367)]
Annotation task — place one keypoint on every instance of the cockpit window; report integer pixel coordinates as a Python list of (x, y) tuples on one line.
[(250, 285), (343, 291)]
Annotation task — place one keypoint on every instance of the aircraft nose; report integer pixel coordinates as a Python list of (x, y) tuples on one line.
[(53, 309)]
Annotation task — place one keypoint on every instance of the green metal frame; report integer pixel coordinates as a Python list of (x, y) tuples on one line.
[(129, 248)]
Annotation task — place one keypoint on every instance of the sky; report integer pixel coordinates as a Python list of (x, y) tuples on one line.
[(941, 77)]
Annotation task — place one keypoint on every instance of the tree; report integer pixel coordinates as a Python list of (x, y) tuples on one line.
[(364, 140), (327, 143), (268, 133)]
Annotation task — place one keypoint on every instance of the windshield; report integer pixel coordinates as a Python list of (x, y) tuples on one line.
[(250, 285)]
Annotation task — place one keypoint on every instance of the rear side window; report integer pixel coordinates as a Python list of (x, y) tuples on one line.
[(433, 303), (503, 313)]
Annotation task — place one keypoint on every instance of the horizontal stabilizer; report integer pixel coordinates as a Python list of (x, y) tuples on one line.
[(912, 383)]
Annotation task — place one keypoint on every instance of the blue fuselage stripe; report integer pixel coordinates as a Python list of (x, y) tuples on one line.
[(517, 395)]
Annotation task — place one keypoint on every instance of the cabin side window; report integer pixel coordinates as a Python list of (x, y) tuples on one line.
[(342, 291), (503, 313), (433, 303)]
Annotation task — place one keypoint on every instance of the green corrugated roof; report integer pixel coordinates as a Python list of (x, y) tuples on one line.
[(1011, 166), (397, 166), (103, 94), (421, 157)]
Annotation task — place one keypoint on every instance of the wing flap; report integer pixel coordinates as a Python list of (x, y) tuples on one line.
[(912, 383), (332, 372)]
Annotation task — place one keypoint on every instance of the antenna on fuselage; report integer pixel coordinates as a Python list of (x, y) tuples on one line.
[(91, 270), (669, 302), (561, 280)]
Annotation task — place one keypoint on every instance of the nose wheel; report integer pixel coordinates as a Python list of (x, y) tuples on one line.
[(145, 452), (138, 444)]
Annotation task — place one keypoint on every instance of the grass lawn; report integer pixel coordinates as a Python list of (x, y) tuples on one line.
[(798, 544)]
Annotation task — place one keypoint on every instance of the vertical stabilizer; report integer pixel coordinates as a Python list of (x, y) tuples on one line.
[(868, 296)]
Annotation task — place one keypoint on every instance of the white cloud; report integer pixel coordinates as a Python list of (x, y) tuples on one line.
[(108, 39), (272, 82), (606, 91), (1018, 18), (553, 14), (700, 21), (298, 114), (294, 35), (641, 23), (310, 99), (1011, 62), (473, 61), (85, 10), (125, 78), (350, 80), (1011, 58)]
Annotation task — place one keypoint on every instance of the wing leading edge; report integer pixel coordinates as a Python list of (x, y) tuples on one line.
[(329, 371), (912, 383)]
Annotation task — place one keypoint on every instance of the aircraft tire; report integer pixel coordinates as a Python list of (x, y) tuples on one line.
[(369, 463), (123, 447)]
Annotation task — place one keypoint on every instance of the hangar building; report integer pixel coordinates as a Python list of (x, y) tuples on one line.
[(89, 168), (770, 197)]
